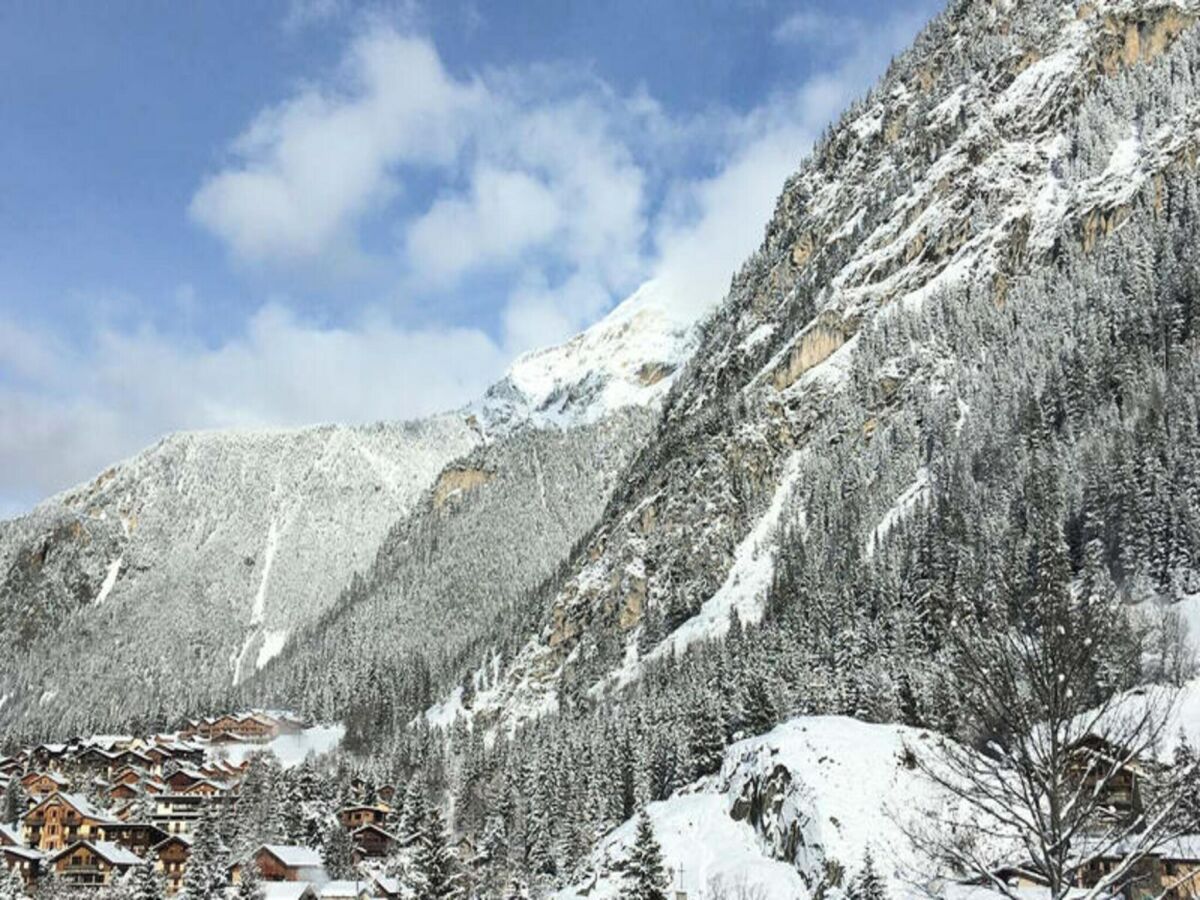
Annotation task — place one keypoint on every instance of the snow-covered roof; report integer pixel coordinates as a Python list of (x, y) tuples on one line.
[(23, 852), (11, 834), (343, 889), (286, 890), (295, 856), (112, 853), (82, 805)]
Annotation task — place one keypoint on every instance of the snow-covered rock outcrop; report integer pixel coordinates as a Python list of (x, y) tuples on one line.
[(791, 810)]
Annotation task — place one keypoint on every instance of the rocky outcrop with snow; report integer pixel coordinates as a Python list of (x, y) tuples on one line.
[(792, 812)]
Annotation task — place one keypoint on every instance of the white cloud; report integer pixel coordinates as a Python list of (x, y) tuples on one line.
[(305, 171), (505, 213), (78, 413)]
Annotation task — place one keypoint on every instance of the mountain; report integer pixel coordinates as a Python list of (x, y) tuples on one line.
[(982, 269), (197, 561)]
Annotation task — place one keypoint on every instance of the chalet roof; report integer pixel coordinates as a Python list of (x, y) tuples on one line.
[(53, 776), (386, 884), (23, 852), (287, 890), (344, 888), (295, 857), (9, 834), (114, 854), (368, 806), (173, 839), (80, 804)]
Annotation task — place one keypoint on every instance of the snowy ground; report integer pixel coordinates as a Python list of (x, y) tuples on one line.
[(830, 788)]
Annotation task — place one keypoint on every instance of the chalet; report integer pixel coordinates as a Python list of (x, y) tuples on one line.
[(9, 765), (386, 886), (373, 842), (353, 817), (9, 836), (140, 837), (170, 860), (41, 784), (182, 779), (386, 793), (205, 788), (177, 813), (92, 863), (45, 756), (278, 862), (97, 759), (1171, 871), (1101, 764), (61, 820), (128, 774), (25, 862), (121, 792)]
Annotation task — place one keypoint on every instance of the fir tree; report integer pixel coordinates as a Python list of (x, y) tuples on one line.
[(144, 883), (435, 875), (645, 875), (12, 885), (339, 853), (15, 801), (867, 885), (250, 887)]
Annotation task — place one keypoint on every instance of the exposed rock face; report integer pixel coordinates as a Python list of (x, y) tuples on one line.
[(455, 482)]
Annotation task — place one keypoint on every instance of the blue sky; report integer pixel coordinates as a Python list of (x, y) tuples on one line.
[(272, 214)]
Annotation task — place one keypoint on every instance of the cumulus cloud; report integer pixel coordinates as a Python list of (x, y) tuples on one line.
[(304, 171)]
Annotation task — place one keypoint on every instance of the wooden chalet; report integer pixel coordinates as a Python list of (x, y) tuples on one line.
[(92, 863), (386, 793), (1100, 764), (9, 765), (1171, 871), (170, 860), (279, 862), (97, 759), (121, 792), (353, 817), (25, 862), (386, 886), (140, 837), (373, 842), (60, 820), (42, 784), (10, 836), (46, 756)]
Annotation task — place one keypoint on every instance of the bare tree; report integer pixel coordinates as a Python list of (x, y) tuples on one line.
[(1056, 784)]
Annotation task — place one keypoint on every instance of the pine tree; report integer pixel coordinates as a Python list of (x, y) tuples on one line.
[(15, 801), (1189, 785), (436, 869), (412, 822), (12, 886), (144, 883), (250, 887), (867, 885), (645, 875), (339, 853), (758, 711), (205, 878)]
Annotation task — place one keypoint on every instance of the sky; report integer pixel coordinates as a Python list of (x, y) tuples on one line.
[(274, 214)]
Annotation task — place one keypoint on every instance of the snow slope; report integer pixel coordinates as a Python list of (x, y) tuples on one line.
[(789, 807)]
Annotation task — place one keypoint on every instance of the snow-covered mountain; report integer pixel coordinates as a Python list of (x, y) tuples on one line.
[(629, 358), (906, 294), (196, 561)]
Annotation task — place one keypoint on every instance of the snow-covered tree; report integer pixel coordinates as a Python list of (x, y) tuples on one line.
[(645, 876)]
